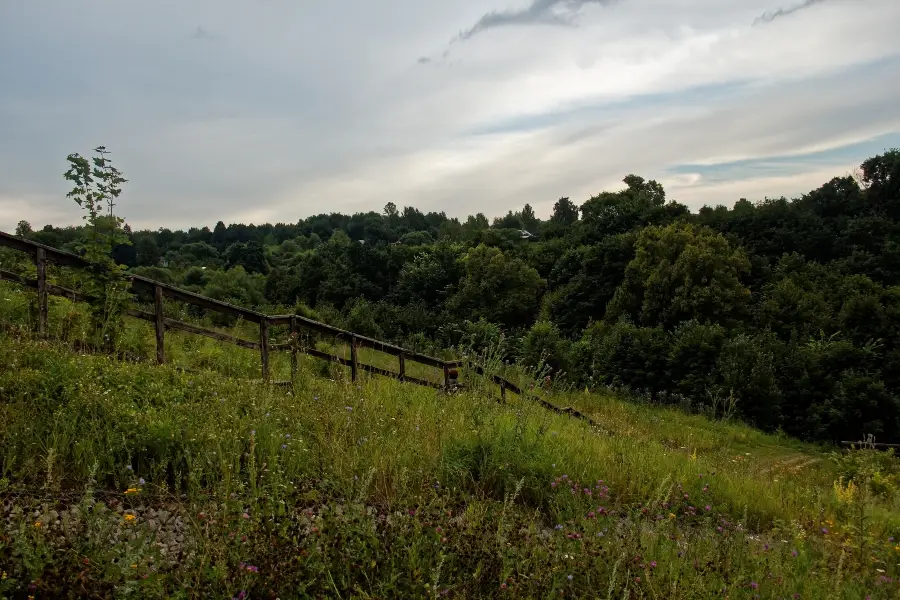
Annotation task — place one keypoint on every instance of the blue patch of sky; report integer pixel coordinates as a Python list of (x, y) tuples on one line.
[(773, 166)]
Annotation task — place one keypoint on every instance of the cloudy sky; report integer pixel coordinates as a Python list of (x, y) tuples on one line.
[(272, 110)]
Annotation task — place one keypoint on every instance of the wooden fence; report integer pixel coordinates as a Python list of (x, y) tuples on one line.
[(43, 254)]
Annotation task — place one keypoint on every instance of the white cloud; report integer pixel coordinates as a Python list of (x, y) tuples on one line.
[(287, 109)]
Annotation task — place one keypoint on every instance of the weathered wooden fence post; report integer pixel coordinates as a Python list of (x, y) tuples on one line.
[(294, 342), (264, 346), (160, 324), (503, 390), (402, 367), (446, 377), (354, 359), (40, 261)]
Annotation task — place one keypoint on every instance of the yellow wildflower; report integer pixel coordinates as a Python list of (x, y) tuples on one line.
[(671, 515), (129, 518), (134, 566), (3, 575), (132, 490), (37, 523)]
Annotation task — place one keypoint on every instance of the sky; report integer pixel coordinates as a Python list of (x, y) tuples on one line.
[(273, 110)]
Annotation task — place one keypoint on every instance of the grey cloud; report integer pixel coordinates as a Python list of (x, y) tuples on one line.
[(771, 15), (540, 11)]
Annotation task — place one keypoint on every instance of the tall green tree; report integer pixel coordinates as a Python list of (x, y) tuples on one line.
[(498, 288), (683, 272)]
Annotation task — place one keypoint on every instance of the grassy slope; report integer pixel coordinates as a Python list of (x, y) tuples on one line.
[(389, 490)]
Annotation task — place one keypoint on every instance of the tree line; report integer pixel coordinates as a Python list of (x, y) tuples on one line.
[(785, 312)]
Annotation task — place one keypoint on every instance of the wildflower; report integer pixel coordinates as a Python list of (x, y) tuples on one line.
[(825, 530), (3, 575), (569, 578), (287, 436), (671, 515), (129, 518), (129, 467), (134, 566), (141, 481), (349, 408), (754, 585), (707, 508), (794, 553), (131, 490), (245, 516), (558, 527), (652, 564), (503, 586), (37, 524), (284, 446)]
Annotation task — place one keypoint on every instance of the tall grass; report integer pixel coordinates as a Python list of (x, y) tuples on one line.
[(128, 479)]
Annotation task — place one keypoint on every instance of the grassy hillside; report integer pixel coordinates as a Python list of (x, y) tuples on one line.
[(125, 479)]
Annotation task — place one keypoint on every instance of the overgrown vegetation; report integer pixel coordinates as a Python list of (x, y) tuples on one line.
[(132, 480), (787, 311), (120, 479), (97, 185)]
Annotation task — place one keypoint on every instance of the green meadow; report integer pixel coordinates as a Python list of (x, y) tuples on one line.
[(120, 478)]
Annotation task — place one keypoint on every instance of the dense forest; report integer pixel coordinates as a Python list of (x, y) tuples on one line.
[(787, 311)]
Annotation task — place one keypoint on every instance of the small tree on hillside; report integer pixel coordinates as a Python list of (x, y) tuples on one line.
[(97, 186)]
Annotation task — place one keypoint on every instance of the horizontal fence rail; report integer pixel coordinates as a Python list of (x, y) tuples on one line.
[(43, 254)]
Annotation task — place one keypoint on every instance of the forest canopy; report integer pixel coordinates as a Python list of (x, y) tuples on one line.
[(787, 309)]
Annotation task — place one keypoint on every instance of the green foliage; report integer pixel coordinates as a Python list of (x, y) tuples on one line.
[(624, 355), (174, 484), (730, 297), (97, 186), (682, 272), (543, 345), (497, 288)]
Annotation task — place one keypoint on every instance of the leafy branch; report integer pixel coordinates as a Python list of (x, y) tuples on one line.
[(97, 186)]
